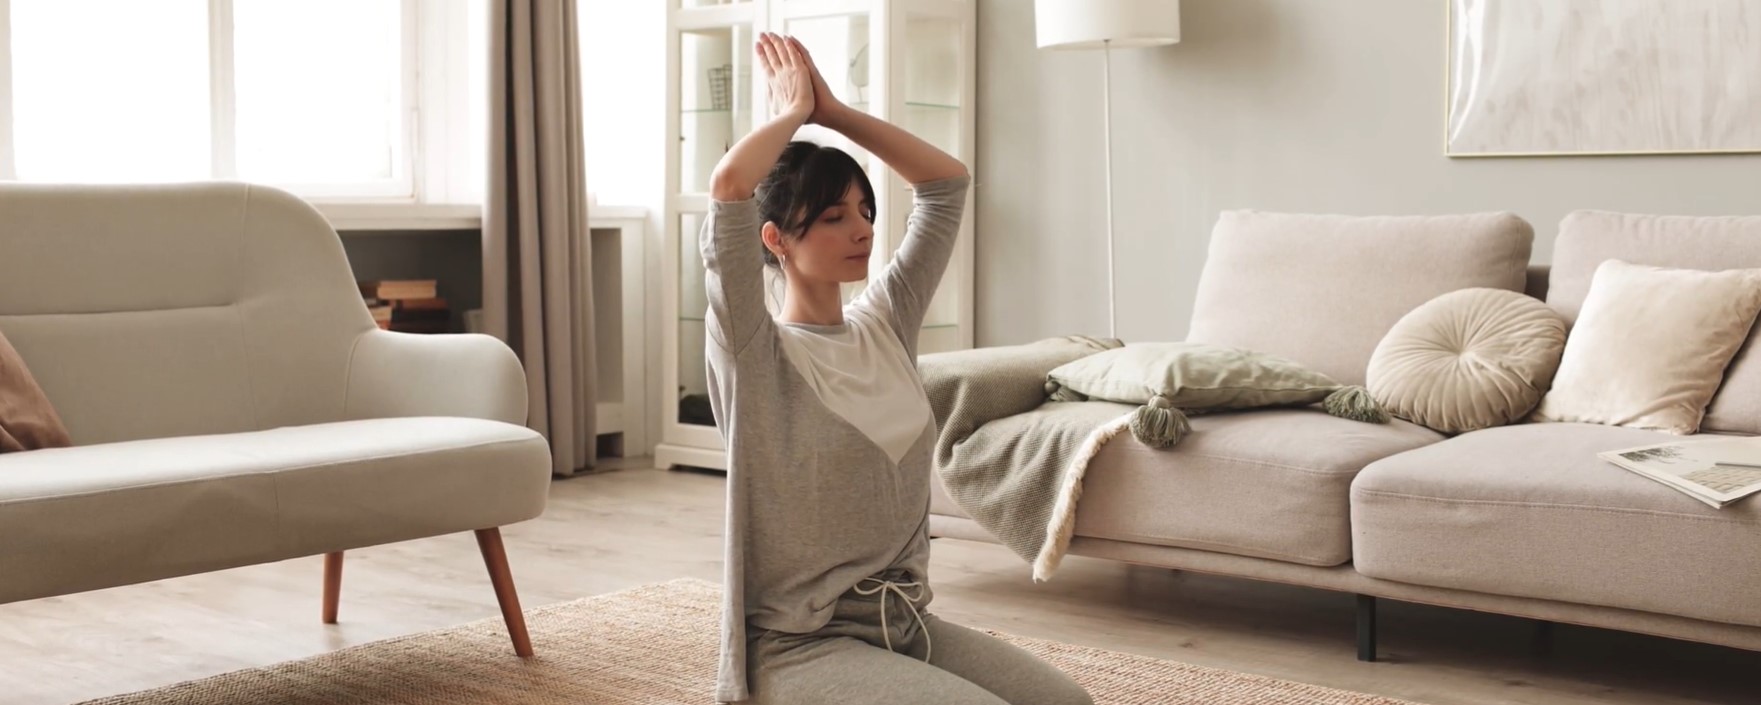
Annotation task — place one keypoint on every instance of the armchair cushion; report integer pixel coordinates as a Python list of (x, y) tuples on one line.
[(407, 374), (99, 516)]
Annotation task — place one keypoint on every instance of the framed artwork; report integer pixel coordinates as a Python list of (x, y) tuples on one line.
[(1580, 77)]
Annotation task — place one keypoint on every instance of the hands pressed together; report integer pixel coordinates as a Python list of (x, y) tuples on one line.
[(796, 87), (799, 95)]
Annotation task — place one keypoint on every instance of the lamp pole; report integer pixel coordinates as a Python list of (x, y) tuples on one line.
[(1107, 130)]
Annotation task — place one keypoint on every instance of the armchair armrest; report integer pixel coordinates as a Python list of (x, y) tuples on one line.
[(406, 374)]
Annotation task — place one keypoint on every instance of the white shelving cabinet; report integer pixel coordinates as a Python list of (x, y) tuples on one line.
[(617, 236), (910, 62)]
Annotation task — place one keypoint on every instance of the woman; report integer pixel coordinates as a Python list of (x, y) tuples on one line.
[(828, 429)]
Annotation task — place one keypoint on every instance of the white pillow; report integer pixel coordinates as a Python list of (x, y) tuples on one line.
[(1651, 345), (1467, 360)]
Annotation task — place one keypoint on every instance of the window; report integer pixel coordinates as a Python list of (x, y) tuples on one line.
[(623, 91), (337, 100)]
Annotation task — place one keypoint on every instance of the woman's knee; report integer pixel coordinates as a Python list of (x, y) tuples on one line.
[(1056, 689)]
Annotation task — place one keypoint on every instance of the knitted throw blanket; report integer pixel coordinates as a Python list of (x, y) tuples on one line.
[(1009, 458)]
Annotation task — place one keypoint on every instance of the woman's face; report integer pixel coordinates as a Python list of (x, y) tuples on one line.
[(835, 247)]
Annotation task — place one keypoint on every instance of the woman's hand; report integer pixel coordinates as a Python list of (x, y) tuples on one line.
[(826, 107), (790, 77)]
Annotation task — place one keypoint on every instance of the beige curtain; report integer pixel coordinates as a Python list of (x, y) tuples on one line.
[(537, 293)]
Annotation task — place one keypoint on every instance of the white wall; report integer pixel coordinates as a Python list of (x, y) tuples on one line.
[(1296, 105)]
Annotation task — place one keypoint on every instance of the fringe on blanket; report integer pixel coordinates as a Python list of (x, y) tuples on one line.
[(1062, 523)]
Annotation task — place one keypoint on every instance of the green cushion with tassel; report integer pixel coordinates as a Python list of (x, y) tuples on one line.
[(1169, 379)]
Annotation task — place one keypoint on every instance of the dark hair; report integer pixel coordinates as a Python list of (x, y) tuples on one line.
[(806, 180)]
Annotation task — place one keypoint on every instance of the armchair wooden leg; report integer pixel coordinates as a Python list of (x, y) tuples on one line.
[(332, 585), (495, 557)]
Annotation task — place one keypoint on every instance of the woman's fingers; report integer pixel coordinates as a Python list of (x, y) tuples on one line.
[(791, 58), (767, 52), (784, 56)]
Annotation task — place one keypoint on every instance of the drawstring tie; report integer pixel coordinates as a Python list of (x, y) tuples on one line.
[(887, 586)]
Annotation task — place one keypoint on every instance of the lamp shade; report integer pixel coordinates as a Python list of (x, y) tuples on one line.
[(1093, 24)]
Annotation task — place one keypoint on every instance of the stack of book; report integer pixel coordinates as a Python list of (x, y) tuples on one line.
[(407, 305)]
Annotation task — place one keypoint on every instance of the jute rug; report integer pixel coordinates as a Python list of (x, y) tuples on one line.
[(652, 645)]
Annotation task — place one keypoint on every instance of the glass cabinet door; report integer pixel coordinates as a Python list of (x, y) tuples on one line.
[(932, 88), (931, 81), (693, 391), (715, 99)]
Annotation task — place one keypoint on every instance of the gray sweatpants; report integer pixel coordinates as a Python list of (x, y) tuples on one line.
[(848, 661)]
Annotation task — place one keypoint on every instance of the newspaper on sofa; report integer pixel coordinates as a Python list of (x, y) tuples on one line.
[(1716, 471)]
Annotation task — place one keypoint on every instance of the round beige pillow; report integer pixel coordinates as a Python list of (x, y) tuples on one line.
[(1469, 359)]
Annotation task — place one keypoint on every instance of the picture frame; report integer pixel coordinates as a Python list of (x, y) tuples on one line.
[(1601, 77)]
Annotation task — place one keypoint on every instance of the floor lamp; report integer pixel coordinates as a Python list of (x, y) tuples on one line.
[(1107, 25)]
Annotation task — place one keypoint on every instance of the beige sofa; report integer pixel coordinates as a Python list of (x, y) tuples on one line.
[(231, 401), (1520, 520)]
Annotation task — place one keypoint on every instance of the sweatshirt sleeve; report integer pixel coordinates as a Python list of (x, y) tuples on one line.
[(904, 290), (733, 266)]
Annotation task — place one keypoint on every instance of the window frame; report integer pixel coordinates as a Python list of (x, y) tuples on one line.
[(431, 160), (8, 162)]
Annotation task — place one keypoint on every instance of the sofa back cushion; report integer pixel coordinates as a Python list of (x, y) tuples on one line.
[(1322, 290), (1588, 238), (148, 311)]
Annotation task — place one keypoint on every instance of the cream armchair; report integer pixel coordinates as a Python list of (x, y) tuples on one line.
[(231, 401)]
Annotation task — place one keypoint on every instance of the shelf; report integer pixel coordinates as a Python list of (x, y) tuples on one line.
[(366, 216), (611, 418), (704, 19), (938, 326), (603, 211), (863, 106)]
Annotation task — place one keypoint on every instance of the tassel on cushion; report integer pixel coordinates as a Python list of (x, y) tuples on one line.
[(1158, 424), (1355, 403)]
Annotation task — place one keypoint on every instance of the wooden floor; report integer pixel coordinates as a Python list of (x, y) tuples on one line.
[(623, 528)]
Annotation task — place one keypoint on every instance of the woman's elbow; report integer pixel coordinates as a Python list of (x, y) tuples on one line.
[(727, 187)]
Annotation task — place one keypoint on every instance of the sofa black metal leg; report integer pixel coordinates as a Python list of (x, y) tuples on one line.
[(1543, 643), (1366, 628)]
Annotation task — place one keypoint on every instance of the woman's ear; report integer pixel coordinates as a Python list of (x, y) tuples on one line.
[(773, 240)]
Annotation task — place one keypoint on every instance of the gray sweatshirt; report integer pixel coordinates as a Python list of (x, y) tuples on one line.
[(828, 430)]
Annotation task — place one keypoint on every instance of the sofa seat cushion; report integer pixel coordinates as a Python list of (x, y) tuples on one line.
[(97, 516), (1530, 511), (1268, 483)]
